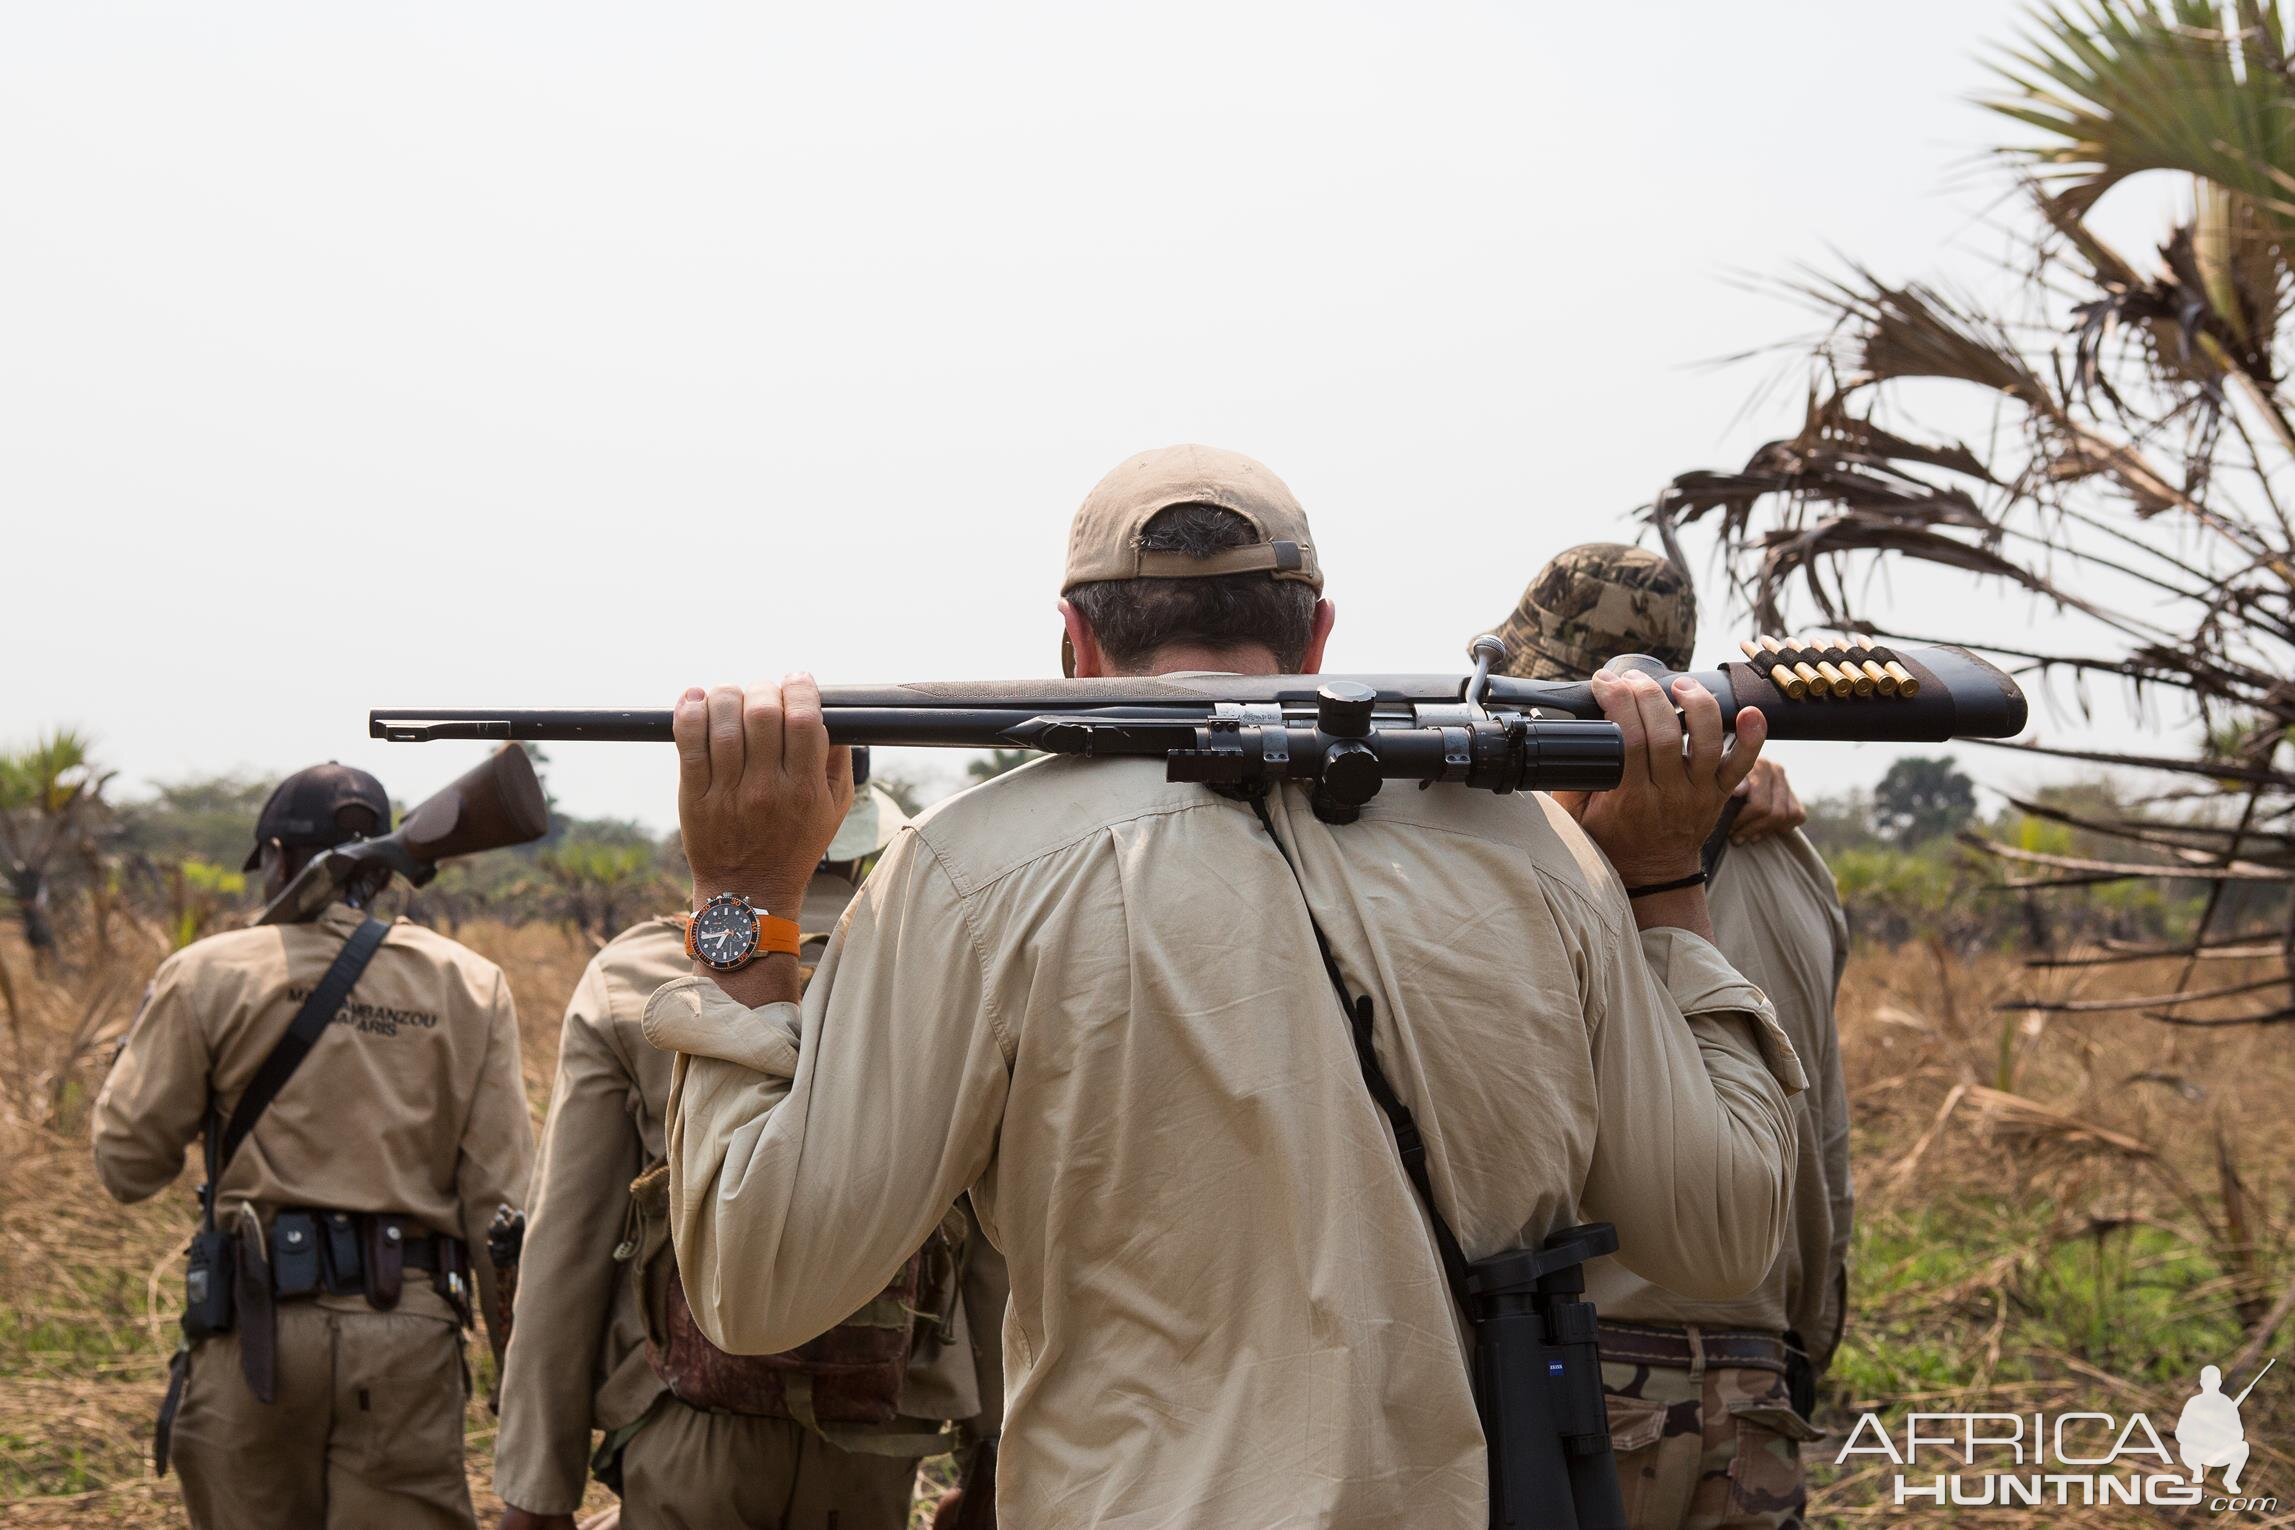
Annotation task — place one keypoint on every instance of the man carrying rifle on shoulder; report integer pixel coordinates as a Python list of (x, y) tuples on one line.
[(1095, 998), (1710, 1399), (357, 1087), (832, 1434)]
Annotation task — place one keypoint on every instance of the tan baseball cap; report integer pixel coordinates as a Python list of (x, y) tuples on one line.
[(1104, 541)]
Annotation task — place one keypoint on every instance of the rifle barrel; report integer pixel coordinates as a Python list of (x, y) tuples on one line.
[(922, 727)]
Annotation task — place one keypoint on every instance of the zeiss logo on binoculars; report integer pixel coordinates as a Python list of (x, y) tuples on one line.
[(2025, 1460)]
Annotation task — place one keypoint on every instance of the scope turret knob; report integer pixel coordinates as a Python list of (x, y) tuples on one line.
[(1343, 708), (1350, 773), (1349, 778)]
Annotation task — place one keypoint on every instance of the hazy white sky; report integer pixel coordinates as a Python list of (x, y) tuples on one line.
[(521, 353)]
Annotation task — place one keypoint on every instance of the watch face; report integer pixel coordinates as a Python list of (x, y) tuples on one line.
[(725, 931)]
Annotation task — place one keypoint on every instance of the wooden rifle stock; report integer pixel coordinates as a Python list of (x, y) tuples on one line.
[(494, 804)]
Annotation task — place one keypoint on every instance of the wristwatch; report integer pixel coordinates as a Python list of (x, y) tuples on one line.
[(729, 932)]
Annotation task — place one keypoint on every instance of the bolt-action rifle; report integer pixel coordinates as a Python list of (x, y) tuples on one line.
[(492, 806), (1348, 735)]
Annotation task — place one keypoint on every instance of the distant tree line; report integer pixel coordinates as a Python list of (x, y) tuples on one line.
[(1903, 855), (74, 857)]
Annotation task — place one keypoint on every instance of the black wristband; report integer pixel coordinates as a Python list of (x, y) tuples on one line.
[(1694, 879)]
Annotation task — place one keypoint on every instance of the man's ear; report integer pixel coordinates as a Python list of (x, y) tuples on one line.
[(1325, 614), (272, 867), (1080, 651)]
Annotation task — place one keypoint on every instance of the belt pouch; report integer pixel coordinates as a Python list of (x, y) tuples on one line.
[(345, 1271), (294, 1253), (208, 1268), (385, 1261), (451, 1275)]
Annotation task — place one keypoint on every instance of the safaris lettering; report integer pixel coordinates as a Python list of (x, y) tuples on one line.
[(372, 1019)]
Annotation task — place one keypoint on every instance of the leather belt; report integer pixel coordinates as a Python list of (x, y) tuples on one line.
[(423, 1253), (313, 1250), (360, 1253), (1675, 1348)]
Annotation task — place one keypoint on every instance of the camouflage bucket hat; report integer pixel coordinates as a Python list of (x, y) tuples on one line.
[(1591, 604), (869, 825)]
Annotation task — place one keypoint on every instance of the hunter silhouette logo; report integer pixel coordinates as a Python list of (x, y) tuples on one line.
[(2208, 1431), (2069, 1460)]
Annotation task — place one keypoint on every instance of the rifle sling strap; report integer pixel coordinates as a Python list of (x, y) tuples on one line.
[(309, 1025), (1409, 1144), (1717, 843)]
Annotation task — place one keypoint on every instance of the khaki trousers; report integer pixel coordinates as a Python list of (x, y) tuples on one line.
[(366, 1430), (688, 1469)]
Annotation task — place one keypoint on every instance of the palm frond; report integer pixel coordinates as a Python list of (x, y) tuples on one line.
[(2116, 88), (2119, 392)]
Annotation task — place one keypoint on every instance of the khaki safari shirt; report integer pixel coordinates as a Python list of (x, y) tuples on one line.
[(577, 1357), (1093, 995), (410, 1103), (1778, 920)]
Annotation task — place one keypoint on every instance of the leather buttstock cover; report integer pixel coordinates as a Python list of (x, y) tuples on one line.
[(1961, 696)]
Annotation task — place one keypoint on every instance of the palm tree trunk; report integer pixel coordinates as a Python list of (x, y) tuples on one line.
[(28, 885)]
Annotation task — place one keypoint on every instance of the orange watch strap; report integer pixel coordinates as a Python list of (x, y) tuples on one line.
[(776, 934)]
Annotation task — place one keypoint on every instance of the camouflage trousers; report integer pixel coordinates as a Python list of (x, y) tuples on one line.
[(1706, 1448)]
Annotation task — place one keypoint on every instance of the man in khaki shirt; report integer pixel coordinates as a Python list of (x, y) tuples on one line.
[(578, 1359), (407, 1121), (1093, 997), (1701, 1414)]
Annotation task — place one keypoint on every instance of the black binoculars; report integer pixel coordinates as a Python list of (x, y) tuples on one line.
[(1539, 1385)]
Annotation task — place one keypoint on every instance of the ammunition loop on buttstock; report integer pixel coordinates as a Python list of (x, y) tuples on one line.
[(1831, 669)]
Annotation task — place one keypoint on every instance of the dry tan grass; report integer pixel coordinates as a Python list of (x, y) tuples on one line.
[(2019, 1137), (2030, 1146)]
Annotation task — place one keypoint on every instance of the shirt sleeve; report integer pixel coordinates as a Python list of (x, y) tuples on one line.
[(156, 1095), (575, 1211), (1693, 1152), (987, 1290), (1829, 1098), (813, 1148), (497, 1151)]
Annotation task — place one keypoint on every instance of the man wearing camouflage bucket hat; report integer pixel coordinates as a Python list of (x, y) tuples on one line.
[(579, 1356), (1595, 602), (1709, 1400)]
